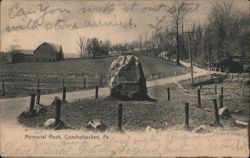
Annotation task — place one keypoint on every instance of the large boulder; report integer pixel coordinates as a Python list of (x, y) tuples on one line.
[(126, 79)]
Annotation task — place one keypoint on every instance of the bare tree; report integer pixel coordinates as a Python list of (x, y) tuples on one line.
[(153, 41), (107, 46), (12, 49), (178, 11), (81, 43), (228, 30), (140, 40), (146, 42), (207, 45)]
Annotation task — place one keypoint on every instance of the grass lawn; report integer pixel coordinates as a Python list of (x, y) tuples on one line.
[(20, 79), (137, 115)]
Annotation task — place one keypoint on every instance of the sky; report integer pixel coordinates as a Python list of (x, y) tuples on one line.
[(63, 21)]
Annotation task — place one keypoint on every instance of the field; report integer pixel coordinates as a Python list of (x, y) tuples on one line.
[(137, 115), (21, 79)]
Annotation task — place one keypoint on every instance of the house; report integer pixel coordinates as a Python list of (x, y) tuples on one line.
[(48, 52), (227, 64)]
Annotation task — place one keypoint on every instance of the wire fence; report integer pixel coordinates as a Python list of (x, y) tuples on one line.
[(19, 84), (22, 84)]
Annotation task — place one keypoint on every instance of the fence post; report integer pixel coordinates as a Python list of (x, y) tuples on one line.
[(63, 82), (215, 89), (38, 84), (38, 96), (84, 82), (217, 118), (199, 98), (187, 116), (3, 88), (64, 95), (32, 103), (96, 92), (101, 81), (221, 101), (243, 94), (221, 90), (120, 117), (58, 110), (168, 93)]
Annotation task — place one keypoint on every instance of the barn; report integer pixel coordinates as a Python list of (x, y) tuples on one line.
[(21, 55), (48, 52)]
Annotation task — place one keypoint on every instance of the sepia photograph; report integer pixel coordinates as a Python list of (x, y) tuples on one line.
[(124, 78)]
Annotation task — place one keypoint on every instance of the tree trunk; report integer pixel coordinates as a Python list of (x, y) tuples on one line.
[(140, 45), (177, 44)]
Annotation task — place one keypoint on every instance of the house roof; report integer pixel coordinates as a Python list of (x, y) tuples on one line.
[(55, 47)]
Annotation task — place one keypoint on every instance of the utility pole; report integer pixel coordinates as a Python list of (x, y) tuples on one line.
[(249, 7), (191, 58), (209, 48)]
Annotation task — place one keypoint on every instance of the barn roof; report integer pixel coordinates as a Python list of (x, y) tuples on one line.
[(23, 51), (55, 47)]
